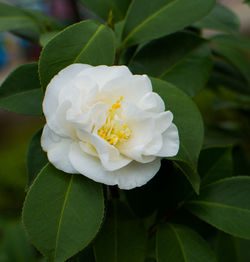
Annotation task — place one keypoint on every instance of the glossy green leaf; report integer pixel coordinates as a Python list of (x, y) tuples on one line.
[(184, 61), (21, 92), (234, 49), (36, 157), (190, 126), (87, 42), (105, 8), (177, 243), (122, 238), (62, 213), (46, 37), (147, 20), (215, 163), (225, 204), (220, 19)]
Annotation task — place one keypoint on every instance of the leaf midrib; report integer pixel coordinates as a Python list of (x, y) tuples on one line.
[(208, 203), (61, 214), (20, 93), (179, 241), (100, 27), (148, 19), (174, 65)]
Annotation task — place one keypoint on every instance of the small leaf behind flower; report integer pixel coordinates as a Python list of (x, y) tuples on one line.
[(87, 42), (190, 126), (62, 213), (183, 59), (36, 157)]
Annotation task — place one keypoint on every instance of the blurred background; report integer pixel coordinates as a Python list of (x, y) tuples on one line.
[(16, 131)]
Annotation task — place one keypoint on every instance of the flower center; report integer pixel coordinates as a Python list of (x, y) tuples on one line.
[(114, 130)]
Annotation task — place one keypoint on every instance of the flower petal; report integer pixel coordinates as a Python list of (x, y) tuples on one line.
[(131, 88), (59, 82), (131, 176), (151, 102), (57, 149), (102, 74), (171, 142), (109, 155)]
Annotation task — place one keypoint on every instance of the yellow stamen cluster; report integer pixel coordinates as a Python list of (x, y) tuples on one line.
[(114, 130)]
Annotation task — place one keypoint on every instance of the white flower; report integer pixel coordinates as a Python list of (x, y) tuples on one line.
[(107, 124)]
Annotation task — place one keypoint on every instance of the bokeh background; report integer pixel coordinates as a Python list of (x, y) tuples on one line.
[(16, 131)]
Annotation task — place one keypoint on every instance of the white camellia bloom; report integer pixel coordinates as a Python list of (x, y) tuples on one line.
[(107, 124)]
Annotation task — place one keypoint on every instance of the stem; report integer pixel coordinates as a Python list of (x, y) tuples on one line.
[(114, 191), (153, 229)]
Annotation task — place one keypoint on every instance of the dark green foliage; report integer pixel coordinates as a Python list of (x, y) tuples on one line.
[(196, 208)]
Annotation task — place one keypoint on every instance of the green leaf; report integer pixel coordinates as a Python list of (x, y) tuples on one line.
[(103, 8), (190, 126), (28, 24), (159, 195), (87, 255), (220, 19), (21, 92), (225, 248), (177, 243), (184, 61), (224, 74), (46, 37), (225, 205), (215, 163), (87, 42), (122, 237), (36, 157), (12, 18), (62, 213), (14, 244), (234, 49), (147, 20)]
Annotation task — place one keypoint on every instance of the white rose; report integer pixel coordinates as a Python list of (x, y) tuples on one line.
[(107, 124)]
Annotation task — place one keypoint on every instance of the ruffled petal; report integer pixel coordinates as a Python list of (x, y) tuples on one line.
[(131, 88), (109, 155), (102, 74), (151, 102), (57, 149), (171, 142), (61, 80), (131, 176)]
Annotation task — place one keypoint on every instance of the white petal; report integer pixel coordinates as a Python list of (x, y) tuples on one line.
[(132, 88), (109, 155), (131, 176), (90, 166), (59, 82), (102, 74), (57, 149), (151, 102), (171, 142), (137, 174)]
